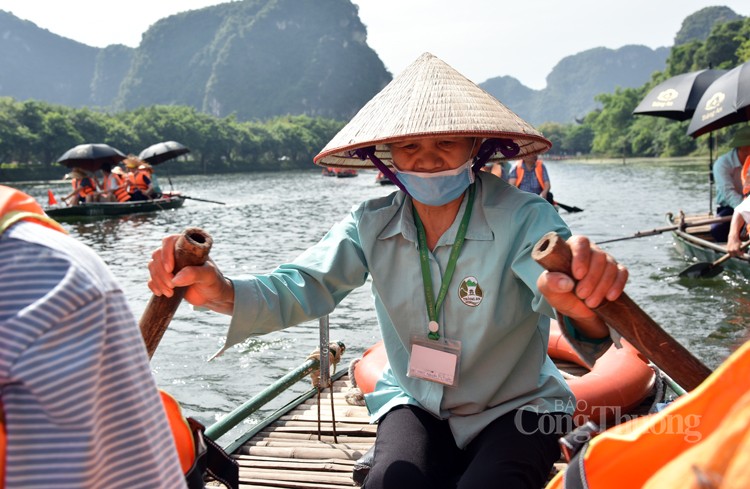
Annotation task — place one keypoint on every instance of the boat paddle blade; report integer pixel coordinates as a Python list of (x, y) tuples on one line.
[(708, 270), (702, 270), (569, 208), (51, 200)]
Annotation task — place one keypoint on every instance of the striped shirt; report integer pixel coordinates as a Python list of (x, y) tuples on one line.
[(81, 406)]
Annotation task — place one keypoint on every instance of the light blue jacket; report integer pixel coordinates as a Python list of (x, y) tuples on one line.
[(726, 172), (503, 327)]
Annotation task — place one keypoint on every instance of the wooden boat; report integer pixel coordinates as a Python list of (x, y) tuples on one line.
[(382, 179), (345, 172), (696, 242), (96, 210), (316, 440), (339, 172)]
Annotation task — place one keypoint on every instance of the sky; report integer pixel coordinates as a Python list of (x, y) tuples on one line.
[(482, 39)]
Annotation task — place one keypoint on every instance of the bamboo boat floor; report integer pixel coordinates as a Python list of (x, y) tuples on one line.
[(287, 453)]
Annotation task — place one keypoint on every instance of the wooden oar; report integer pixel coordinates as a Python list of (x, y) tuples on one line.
[(624, 316), (191, 249), (708, 269), (641, 234), (202, 200), (569, 208)]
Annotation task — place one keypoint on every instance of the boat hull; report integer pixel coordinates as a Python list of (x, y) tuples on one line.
[(98, 210), (697, 244)]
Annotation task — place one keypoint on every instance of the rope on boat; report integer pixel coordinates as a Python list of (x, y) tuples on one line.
[(335, 351), (354, 396), (661, 389)]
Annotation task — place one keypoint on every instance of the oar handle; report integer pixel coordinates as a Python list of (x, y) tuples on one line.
[(727, 256), (191, 249), (624, 316)]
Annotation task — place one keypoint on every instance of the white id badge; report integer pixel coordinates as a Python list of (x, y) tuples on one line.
[(435, 360)]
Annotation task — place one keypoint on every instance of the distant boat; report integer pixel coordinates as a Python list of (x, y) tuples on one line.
[(339, 172), (382, 179), (345, 172), (96, 210)]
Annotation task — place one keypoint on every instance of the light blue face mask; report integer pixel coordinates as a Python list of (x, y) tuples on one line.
[(437, 188)]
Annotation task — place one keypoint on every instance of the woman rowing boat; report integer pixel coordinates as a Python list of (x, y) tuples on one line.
[(469, 394)]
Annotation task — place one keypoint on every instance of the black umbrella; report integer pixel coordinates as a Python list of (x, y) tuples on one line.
[(677, 97), (164, 151), (725, 102), (91, 157)]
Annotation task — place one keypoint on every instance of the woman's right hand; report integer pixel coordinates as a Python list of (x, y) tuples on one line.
[(206, 285)]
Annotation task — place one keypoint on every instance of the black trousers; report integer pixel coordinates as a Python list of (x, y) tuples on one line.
[(720, 230), (416, 450)]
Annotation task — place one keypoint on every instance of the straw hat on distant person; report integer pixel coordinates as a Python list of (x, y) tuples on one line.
[(132, 161), (76, 173), (427, 99)]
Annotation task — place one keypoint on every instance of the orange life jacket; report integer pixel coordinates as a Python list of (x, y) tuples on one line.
[(183, 435), (82, 189), (139, 180), (121, 192), (16, 206), (700, 440), (745, 179), (537, 169)]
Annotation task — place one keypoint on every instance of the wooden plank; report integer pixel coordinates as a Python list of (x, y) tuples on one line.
[(280, 435), (273, 442), (265, 483), (314, 465), (306, 427), (261, 459), (302, 453), (297, 475)]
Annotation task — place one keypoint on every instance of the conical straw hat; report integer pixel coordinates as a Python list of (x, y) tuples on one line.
[(427, 99)]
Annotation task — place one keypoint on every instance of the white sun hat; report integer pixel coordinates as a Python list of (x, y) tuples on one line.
[(430, 98)]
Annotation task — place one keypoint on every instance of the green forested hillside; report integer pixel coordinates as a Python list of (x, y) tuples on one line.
[(251, 58), (613, 130)]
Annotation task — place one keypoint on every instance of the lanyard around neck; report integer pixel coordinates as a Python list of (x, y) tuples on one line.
[(433, 306)]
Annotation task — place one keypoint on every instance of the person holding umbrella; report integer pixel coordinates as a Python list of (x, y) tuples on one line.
[(469, 397), (727, 172)]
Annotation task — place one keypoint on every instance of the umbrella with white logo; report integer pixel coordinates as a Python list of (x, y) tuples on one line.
[(725, 102)]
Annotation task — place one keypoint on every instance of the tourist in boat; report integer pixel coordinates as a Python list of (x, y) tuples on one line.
[(738, 228), (84, 188), (530, 174), (469, 395), (138, 180), (499, 169), (114, 185), (79, 407), (149, 171), (119, 185), (727, 174)]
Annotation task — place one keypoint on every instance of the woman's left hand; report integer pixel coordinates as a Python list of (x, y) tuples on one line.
[(598, 277)]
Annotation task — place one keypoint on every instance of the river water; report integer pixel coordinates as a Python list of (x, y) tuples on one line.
[(271, 217)]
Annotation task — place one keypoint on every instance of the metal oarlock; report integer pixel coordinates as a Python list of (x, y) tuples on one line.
[(325, 374)]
